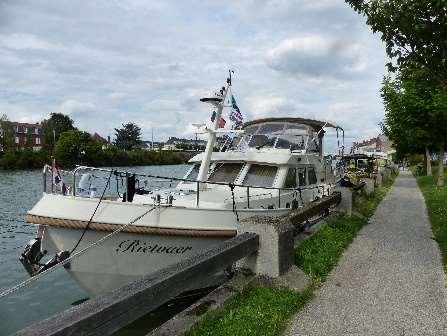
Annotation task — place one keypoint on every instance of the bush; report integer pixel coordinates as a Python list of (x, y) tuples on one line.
[(415, 159), (23, 159)]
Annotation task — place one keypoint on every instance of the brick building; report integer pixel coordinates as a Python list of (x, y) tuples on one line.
[(25, 132)]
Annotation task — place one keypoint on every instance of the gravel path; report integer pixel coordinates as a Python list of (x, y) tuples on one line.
[(390, 281)]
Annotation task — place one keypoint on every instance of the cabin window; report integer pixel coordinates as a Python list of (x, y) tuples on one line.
[(362, 164), (235, 142), (260, 176), (271, 129), (290, 181), (225, 172), (266, 136), (193, 173), (312, 176), (261, 140), (301, 176)]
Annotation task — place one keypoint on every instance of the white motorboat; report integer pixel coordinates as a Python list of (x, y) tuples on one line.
[(268, 167)]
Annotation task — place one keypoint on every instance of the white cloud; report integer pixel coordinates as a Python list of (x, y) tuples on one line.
[(315, 56), (26, 41), (109, 62)]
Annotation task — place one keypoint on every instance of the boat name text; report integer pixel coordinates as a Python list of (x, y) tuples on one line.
[(138, 246)]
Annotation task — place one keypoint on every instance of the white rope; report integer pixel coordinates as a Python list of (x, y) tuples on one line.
[(75, 255)]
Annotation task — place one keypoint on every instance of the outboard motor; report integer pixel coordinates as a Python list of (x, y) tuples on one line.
[(31, 255), (59, 257)]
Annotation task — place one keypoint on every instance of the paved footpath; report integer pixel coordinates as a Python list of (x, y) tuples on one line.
[(390, 281)]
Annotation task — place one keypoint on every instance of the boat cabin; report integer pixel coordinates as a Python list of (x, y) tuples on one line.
[(269, 153)]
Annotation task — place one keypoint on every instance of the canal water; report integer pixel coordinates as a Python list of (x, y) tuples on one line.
[(55, 292)]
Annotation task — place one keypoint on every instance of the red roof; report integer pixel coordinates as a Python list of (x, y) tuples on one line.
[(15, 123), (99, 138)]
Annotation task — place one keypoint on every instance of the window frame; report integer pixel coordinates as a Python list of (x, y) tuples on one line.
[(274, 177), (309, 169)]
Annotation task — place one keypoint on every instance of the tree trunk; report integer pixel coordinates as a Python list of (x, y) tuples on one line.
[(428, 161), (441, 166)]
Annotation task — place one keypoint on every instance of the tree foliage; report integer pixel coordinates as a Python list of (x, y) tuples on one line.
[(415, 106), (76, 147), (53, 128), (128, 137), (414, 31), (7, 134)]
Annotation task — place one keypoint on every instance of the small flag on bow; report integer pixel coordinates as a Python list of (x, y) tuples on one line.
[(57, 179), (222, 123)]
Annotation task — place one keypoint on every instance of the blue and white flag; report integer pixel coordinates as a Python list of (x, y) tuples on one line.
[(235, 115)]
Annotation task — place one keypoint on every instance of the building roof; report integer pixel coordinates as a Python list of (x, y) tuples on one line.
[(99, 138), (16, 123), (315, 124), (374, 141)]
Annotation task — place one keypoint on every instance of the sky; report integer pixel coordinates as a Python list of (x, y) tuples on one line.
[(108, 62)]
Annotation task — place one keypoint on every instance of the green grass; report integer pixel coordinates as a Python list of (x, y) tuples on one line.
[(436, 201), (256, 311), (265, 311), (317, 255), (368, 203)]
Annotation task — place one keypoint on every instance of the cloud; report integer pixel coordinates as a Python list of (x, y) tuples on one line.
[(316, 56), (75, 108), (26, 41), (109, 62)]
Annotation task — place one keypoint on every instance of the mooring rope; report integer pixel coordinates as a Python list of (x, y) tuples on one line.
[(75, 255), (231, 185), (93, 214)]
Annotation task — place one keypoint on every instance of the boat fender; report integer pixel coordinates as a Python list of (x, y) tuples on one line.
[(59, 257), (84, 184), (31, 256)]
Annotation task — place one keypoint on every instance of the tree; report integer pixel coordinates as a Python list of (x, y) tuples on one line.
[(76, 147), (414, 33), (7, 134), (53, 127), (128, 137), (415, 118)]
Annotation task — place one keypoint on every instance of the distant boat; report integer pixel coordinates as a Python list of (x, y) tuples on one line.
[(267, 167)]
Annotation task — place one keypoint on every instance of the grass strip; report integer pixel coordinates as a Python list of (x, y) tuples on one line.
[(436, 201), (256, 311), (367, 204), (260, 310), (318, 254)]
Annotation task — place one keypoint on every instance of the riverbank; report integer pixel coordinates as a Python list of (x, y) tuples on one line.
[(436, 201), (262, 310), (110, 157)]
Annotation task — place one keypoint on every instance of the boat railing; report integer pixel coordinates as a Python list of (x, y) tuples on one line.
[(199, 185)]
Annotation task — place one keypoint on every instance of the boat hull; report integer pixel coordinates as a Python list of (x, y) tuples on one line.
[(164, 235), (124, 257)]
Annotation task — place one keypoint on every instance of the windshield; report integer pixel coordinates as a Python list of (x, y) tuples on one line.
[(276, 135), (260, 176), (193, 173), (225, 172)]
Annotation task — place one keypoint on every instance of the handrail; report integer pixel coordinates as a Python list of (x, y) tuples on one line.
[(194, 181), (183, 180)]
